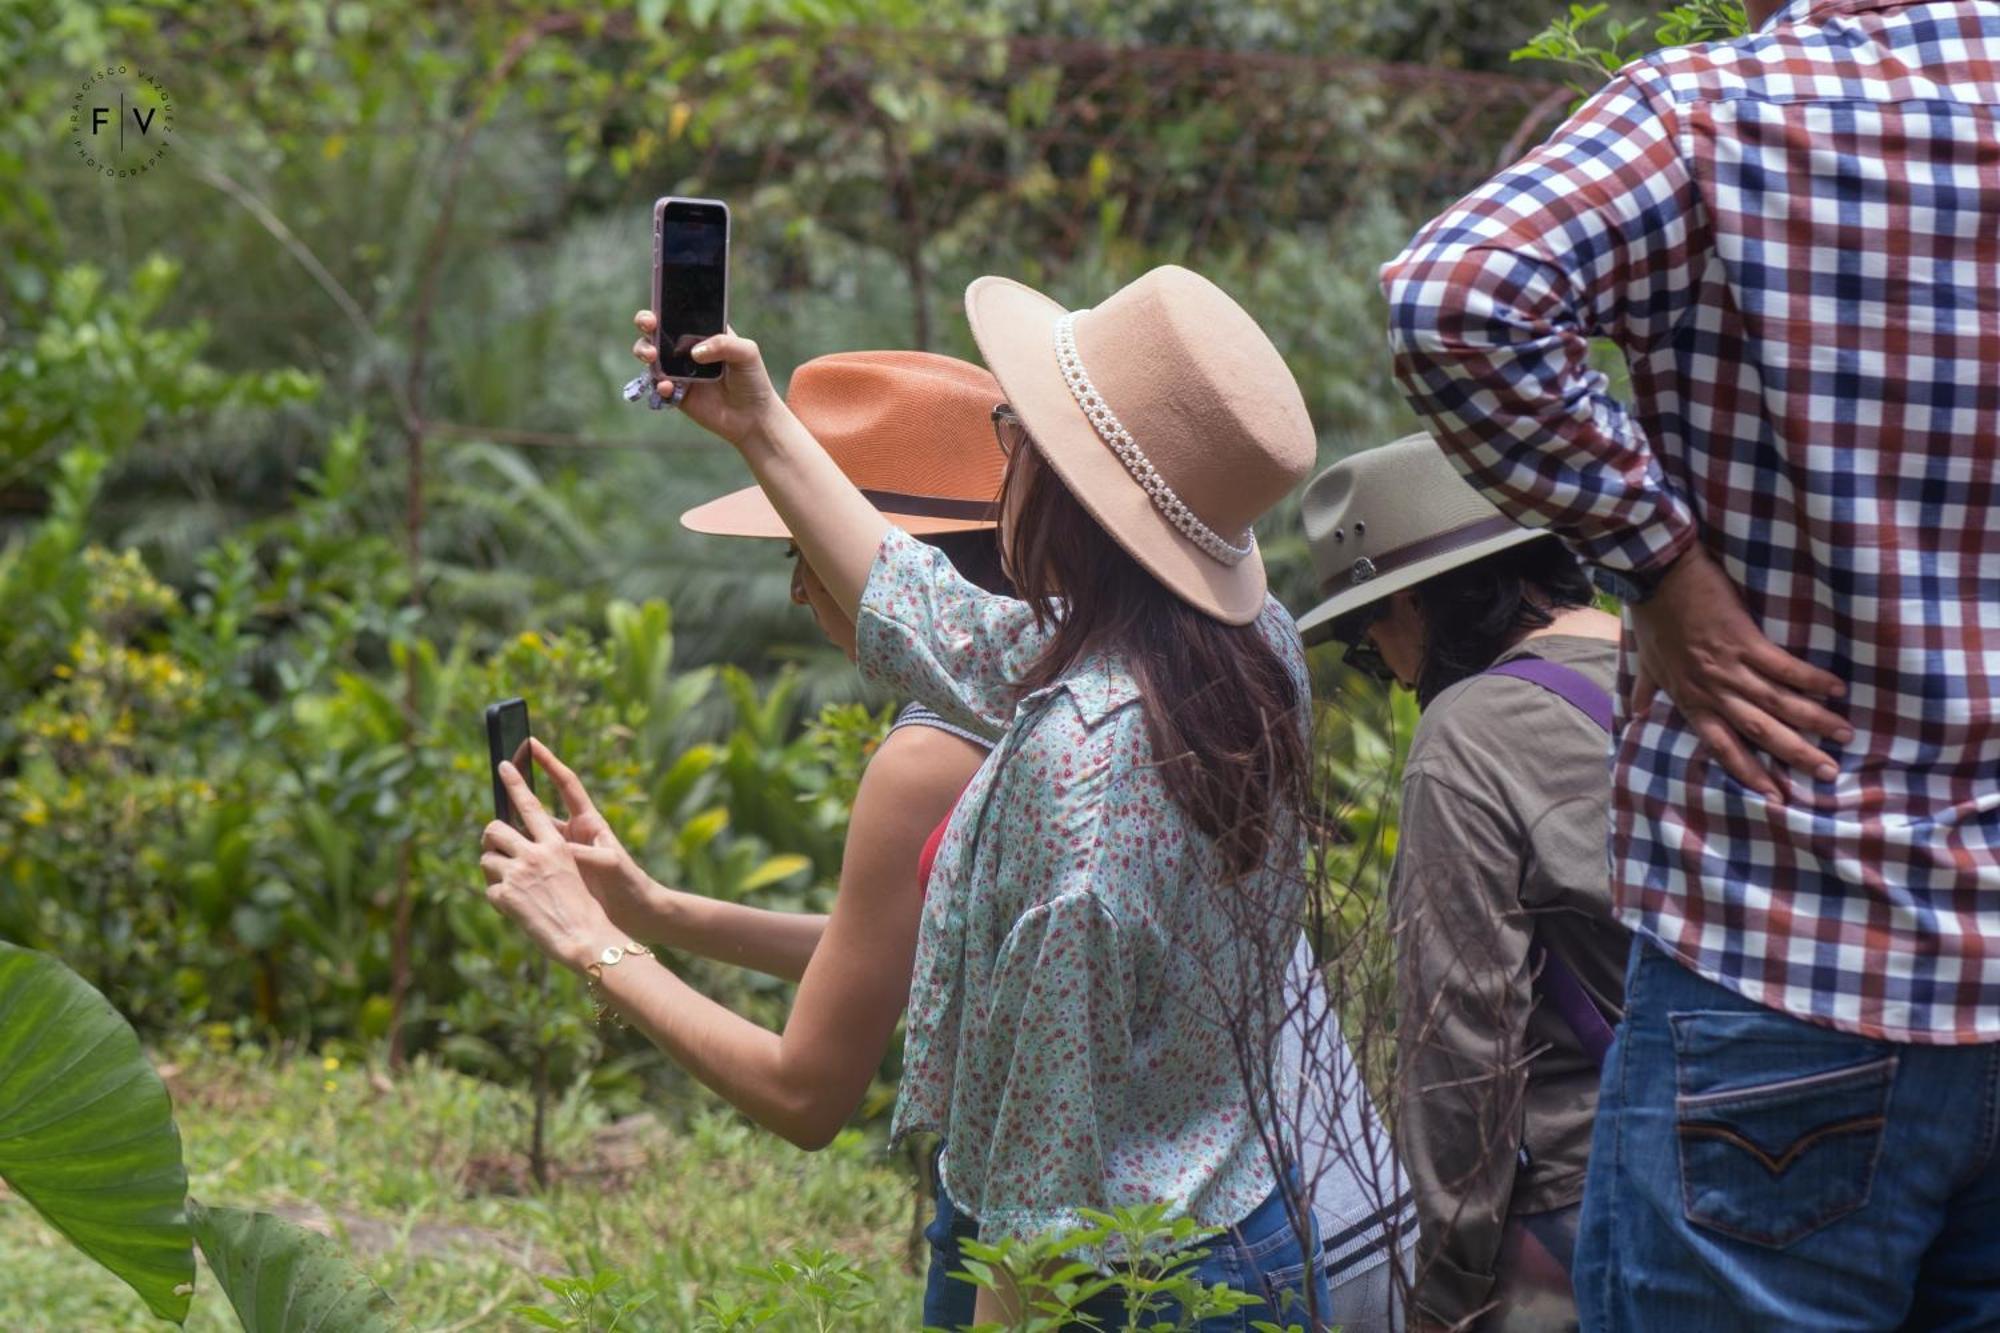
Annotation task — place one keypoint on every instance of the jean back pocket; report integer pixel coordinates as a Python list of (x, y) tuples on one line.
[(1779, 1123)]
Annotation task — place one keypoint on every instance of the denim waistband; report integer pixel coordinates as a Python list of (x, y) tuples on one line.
[(1269, 1225)]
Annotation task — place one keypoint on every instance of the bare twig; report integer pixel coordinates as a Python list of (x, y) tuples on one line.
[(308, 260)]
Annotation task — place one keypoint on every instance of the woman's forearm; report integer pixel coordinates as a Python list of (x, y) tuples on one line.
[(778, 944), (748, 1065), (836, 529)]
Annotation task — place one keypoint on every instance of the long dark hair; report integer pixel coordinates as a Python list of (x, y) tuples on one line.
[(1223, 715), (1475, 613), (976, 555)]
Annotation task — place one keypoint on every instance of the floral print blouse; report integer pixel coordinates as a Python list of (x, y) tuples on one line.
[(1081, 955)]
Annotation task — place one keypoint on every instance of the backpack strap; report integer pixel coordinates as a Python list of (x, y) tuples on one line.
[(1573, 1002), (1566, 683), (1560, 984)]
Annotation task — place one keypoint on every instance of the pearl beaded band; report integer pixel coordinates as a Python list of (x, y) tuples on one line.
[(1114, 434)]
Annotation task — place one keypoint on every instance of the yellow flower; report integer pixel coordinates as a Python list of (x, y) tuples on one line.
[(330, 1064)]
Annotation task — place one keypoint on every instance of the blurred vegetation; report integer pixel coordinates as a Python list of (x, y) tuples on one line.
[(90, 1140), (262, 575), (429, 1202), (310, 447), (310, 443)]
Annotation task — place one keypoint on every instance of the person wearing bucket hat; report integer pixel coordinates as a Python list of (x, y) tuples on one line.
[(915, 432), (1117, 892), (1510, 963)]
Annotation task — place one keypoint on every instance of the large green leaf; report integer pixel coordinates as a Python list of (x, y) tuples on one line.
[(87, 1130), (284, 1279)]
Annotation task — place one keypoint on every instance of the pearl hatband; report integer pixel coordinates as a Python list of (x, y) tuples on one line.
[(1121, 443)]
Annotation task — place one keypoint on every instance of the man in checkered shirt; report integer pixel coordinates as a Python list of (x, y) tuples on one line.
[(1794, 238)]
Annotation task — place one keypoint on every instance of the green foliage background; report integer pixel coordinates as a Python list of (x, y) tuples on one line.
[(310, 447), (239, 704)]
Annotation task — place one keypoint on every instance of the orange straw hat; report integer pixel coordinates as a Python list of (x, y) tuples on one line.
[(914, 431), (1167, 413)]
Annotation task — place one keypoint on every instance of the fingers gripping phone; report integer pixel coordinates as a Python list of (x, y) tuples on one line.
[(690, 282), (507, 738)]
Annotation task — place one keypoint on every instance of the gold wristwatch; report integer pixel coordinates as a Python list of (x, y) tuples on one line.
[(593, 971)]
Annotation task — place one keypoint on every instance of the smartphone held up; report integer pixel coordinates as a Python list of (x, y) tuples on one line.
[(690, 282), (507, 739)]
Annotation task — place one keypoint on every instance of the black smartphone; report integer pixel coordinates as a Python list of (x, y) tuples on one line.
[(690, 282), (507, 738)]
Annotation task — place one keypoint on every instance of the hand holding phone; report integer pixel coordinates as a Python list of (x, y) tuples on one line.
[(690, 282), (507, 740)]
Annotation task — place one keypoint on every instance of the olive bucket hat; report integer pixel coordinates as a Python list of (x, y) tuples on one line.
[(1388, 518)]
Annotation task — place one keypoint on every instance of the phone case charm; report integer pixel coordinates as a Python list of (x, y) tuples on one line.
[(641, 387)]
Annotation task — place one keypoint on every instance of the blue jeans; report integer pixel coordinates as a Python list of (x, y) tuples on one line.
[(1261, 1255), (1752, 1171)]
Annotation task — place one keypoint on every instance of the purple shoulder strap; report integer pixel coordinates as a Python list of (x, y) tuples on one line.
[(1566, 683), (1573, 1002), (1560, 984)]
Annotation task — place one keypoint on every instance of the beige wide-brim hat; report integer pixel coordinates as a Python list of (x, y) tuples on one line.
[(1166, 412), (1388, 518), (912, 430)]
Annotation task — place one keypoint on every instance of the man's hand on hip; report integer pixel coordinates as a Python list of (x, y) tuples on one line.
[(1738, 690)]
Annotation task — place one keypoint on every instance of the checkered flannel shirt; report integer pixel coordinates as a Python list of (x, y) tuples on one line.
[(1795, 240)]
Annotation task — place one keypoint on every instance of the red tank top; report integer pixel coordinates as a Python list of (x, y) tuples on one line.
[(928, 857)]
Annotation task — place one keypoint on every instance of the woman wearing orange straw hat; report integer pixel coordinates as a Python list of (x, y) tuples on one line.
[(1117, 891), (914, 431)]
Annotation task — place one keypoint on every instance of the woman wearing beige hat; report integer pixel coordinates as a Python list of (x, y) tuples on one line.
[(914, 431), (1116, 893), (1510, 964)]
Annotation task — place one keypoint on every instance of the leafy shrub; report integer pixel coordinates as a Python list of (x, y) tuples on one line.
[(258, 805), (587, 1304), (1587, 39), (813, 1289), (1150, 1267), (90, 1141)]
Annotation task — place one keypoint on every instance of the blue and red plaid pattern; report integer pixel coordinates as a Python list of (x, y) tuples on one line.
[(1795, 240)]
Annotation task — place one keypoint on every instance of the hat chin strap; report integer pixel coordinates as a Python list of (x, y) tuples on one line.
[(1113, 433)]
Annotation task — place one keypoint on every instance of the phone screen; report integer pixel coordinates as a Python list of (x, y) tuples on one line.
[(507, 738), (691, 281)]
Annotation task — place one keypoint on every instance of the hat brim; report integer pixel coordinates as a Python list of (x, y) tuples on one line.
[(1316, 626), (1014, 326), (749, 513)]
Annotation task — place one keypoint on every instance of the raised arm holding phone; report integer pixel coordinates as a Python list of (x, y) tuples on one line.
[(837, 530)]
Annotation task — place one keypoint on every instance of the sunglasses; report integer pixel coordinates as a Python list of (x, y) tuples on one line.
[(799, 597), (1360, 653), (1008, 429)]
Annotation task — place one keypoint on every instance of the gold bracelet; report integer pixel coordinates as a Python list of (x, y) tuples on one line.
[(594, 976)]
